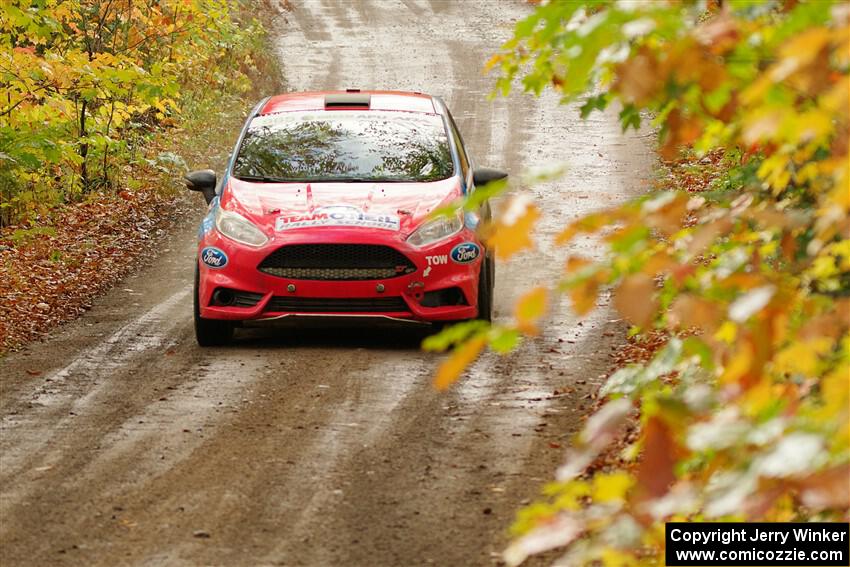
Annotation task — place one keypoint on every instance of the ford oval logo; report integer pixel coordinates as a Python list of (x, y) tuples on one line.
[(465, 253), (213, 257)]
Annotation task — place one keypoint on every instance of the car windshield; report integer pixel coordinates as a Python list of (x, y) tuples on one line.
[(343, 145)]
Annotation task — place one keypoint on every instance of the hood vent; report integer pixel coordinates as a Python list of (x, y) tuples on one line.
[(347, 100)]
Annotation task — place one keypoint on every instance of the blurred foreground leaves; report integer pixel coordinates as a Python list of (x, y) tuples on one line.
[(743, 282)]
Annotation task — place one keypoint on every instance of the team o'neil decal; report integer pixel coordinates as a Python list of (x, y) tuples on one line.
[(465, 253), (338, 215), (213, 257)]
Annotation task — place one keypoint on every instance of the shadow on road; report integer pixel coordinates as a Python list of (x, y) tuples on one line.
[(343, 335)]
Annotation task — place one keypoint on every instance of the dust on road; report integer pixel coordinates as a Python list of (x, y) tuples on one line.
[(322, 446)]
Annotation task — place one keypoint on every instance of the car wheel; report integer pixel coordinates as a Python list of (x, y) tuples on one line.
[(209, 332), (485, 289)]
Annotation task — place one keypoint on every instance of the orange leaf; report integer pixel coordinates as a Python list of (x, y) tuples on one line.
[(660, 452), (637, 78), (719, 34), (690, 311), (584, 295), (567, 234), (659, 263), (464, 355), (634, 299), (705, 235), (575, 263), (827, 489), (530, 308), (682, 130), (511, 233)]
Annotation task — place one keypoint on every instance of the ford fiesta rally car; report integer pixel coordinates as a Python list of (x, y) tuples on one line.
[(325, 210)]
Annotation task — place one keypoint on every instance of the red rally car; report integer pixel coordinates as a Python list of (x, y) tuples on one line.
[(325, 210)]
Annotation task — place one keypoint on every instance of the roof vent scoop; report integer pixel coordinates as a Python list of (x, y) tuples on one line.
[(347, 100)]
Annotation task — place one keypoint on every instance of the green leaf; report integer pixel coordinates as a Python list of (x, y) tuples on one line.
[(452, 335), (630, 117)]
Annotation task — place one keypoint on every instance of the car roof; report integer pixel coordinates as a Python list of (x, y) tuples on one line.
[(377, 100)]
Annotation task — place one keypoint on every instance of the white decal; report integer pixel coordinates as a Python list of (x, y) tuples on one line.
[(341, 215), (426, 272), (440, 260)]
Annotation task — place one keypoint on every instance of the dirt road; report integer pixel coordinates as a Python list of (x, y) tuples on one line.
[(123, 443)]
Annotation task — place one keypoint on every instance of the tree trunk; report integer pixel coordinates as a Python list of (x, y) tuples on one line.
[(84, 147)]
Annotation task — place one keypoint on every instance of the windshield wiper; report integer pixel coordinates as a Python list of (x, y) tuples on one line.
[(263, 179)]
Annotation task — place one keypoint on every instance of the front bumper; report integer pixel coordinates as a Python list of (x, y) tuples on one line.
[(416, 296)]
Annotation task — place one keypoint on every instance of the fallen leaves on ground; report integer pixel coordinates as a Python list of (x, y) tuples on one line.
[(53, 269)]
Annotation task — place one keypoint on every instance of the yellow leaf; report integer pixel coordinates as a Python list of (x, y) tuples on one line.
[(801, 50), (762, 125), (530, 308), (492, 62), (812, 126), (739, 365), (611, 487), (836, 392), (727, 332), (803, 357), (759, 397), (836, 100), (461, 357), (571, 495), (616, 558)]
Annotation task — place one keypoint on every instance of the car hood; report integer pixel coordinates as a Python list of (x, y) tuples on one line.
[(272, 205)]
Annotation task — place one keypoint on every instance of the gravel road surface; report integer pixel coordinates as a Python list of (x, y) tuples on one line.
[(123, 443)]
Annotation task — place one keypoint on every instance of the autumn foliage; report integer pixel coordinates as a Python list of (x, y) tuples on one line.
[(744, 413), (85, 82)]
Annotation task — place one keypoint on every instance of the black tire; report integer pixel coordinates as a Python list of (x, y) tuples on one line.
[(486, 277), (209, 332), (492, 265)]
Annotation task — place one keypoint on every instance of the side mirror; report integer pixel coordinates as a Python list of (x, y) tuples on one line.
[(202, 180), (484, 175)]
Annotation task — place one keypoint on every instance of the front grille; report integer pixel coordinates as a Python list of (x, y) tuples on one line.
[(337, 305), (337, 262)]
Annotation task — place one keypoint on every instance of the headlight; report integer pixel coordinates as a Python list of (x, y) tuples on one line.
[(238, 228), (436, 229)]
